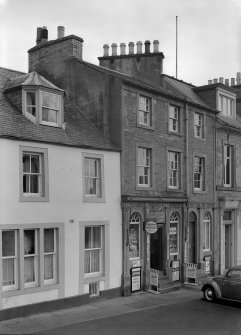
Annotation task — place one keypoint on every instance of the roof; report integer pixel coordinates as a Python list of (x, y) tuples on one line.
[(184, 90), (79, 131), (229, 121), (29, 79)]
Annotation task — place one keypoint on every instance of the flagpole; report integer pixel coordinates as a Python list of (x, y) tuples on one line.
[(176, 44)]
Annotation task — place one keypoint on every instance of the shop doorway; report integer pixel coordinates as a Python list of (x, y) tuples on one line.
[(157, 250), (192, 238)]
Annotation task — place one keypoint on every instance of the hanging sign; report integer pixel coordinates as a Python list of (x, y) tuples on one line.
[(151, 226)]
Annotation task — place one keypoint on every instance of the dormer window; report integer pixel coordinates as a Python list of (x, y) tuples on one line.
[(43, 107), (227, 103)]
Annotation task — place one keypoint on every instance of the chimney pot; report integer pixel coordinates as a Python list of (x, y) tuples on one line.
[(61, 30), (38, 38), (227, 82), (221, 80), (114, 49), (156, 46), (232, 81), (122, 48), (131, 48), (44, 34), (147, 47), (238, 78), (139, 47), (106, 50), (210, 82), (215, 81)]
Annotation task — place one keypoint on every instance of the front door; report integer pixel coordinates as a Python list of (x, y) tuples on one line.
[(192, 242), (228, 245), (157, 250)]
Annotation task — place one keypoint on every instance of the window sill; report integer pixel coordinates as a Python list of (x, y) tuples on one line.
[(174, 133), (233, 189), (200, 138), (144, 188), (90, 279), (28, 290), (139, 125), (200, 192), (33, 198), (93, 199), (175, 190)]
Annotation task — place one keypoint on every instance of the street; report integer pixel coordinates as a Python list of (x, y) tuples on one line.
[(193, 317)]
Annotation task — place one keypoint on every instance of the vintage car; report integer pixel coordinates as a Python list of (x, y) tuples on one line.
[(227, 286)]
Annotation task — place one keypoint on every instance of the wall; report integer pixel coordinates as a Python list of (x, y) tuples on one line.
[(66, 207)]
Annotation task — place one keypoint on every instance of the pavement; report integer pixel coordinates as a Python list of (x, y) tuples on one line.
[(96, 310)]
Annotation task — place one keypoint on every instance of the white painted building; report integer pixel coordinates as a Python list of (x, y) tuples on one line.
[(60, 214)]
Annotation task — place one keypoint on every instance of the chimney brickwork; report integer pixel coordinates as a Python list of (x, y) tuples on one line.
[(47, 52), (147, 66)]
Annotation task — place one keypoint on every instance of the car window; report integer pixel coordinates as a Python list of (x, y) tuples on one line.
[(234, 274)]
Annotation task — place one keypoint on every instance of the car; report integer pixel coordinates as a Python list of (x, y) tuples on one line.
[(227, 286)]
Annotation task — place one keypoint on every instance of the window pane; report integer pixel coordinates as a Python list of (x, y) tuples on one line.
[(48, 240), (48, 267), (35, 164), (29, 273), (34, 184), (26, 163), (8, 271), (29, 242), (87, 237), (134, 240), (96, 237), (8, 243), (50, 100), (87, 261), (95, 260), (49, 115)]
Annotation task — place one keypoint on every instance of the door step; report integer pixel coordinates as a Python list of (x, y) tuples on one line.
[(166, 285)]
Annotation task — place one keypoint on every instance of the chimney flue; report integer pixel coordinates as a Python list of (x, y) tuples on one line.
[(106, 50), (139, 47), (122, 48), (147, 47), (232, 81), (131, 48), (44, 34), (61, 30), (210, 82), (38, 38), (221, 80), (114, 49), (156, 46), (215, 81), (227, 82), (238, 78)]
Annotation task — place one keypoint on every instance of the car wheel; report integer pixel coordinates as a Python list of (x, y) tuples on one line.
[(209, 293)]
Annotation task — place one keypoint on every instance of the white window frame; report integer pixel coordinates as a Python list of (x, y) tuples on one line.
[(145, 111), (15, 260), (38, 100), (54, 255), (175, 219), (174, 173), (199, 125), (100, 197), (228, 164), (207, 233), (92, 249), (135, 220), (58, 111), (199, 171), (35, 256), (226, 102), (144, 163), (174, 120), (43, 194)]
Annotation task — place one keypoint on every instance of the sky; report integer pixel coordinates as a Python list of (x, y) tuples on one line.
[(208, 31)]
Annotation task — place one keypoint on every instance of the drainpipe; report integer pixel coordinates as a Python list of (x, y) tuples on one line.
[(187, 189), (216, 248)]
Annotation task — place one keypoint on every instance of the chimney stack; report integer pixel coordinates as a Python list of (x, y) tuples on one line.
[(60, 31)]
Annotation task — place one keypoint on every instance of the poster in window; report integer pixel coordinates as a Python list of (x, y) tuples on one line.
[(134, 240), (173, 243)]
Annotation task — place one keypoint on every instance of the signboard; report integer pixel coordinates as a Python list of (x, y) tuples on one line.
[(191, 270), (154, 276), (207, 260), (151, 226), (135, 279), (175, 270)]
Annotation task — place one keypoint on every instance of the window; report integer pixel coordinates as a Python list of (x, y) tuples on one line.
[(207, 231), (144, 167), (43, 107), (174, 233), (174, 119), (199, 125), (9, 259), (50, 255), (134, 236), (173, 169), (144, 111), (199, 180), (93, 250), (93, 183), (228, 165), (227, 105), (33, 174), (29, 257)]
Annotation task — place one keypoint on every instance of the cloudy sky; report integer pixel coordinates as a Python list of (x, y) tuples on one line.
[(209, 31)]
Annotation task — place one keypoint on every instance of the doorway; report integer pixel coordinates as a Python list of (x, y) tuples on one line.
[(192, 238), (157, 250), (228, 245)]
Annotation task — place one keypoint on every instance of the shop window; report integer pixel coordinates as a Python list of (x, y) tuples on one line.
[(134, 236), (174, 234)]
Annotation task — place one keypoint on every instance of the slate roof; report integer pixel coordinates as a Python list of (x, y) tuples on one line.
[(29, 79), (79, 131), (185, 90)]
